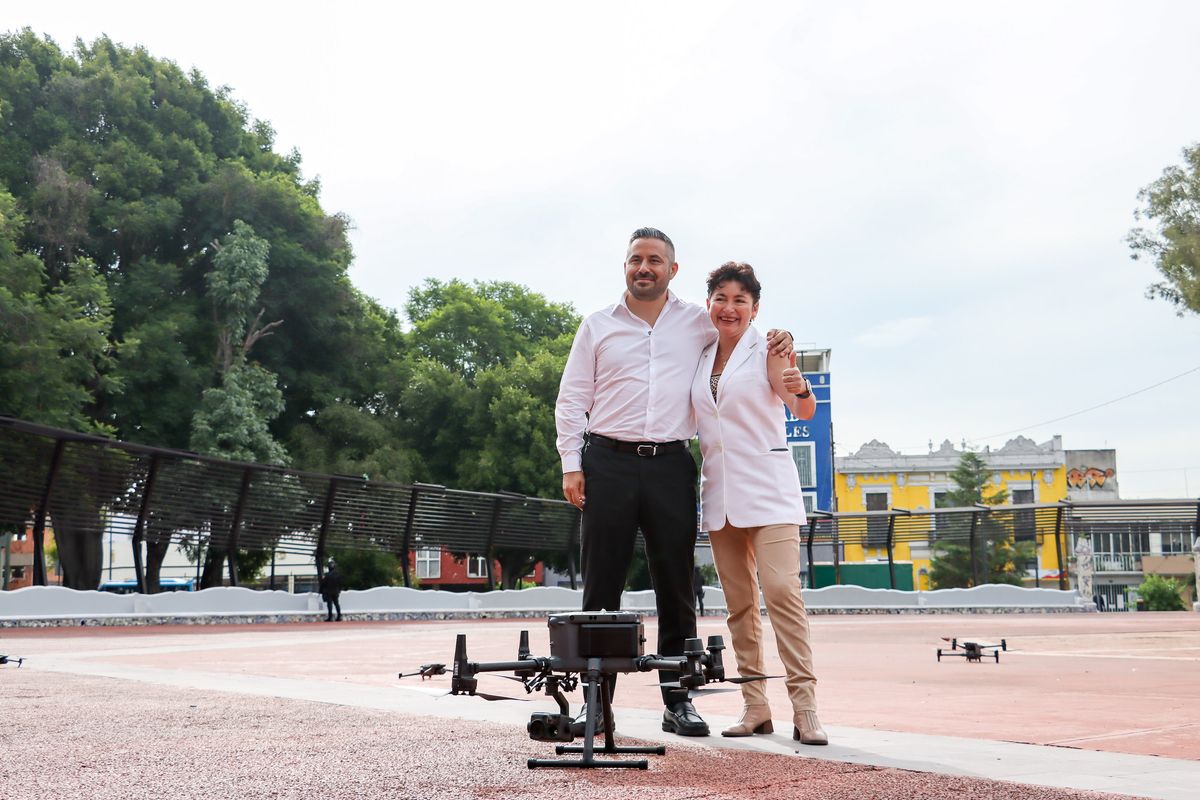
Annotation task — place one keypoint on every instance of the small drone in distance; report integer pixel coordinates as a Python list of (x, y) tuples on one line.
[(972, 651), (10, 659)]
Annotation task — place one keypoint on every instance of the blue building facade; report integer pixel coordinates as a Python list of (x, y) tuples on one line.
[(811, 440)]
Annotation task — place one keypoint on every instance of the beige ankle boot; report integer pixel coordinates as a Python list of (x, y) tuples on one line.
[(755, 719), (808, 728)]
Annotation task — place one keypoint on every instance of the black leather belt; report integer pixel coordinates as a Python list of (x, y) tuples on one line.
[(645, 449)]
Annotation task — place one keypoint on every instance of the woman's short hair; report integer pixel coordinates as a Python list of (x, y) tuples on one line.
[(738, 271)]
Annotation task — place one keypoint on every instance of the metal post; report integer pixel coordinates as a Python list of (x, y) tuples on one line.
[(236, 526), (326, 514), (1196, 529), (491, 580), (406, 545), (891, 533), (5, 544), (1058, 549), (573, 540), (39, 523), (974, 564), (139, 530), (837, 556)]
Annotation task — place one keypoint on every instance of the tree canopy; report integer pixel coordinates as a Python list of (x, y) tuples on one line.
[(168, 278), (1172, 205)]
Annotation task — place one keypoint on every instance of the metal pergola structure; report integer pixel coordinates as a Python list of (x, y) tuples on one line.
[(92, 484), (95, 484)]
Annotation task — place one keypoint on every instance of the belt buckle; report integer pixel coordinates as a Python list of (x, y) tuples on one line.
[(650, 450)]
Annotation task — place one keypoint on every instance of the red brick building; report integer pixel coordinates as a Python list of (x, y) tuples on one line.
[(435, 568)]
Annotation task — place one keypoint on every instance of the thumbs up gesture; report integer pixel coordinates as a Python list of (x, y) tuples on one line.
[(793, 381)]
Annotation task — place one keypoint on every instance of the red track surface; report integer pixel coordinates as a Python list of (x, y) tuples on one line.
[(1107, 682)]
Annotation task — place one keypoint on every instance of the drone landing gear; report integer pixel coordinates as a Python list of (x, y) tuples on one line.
[(601, 685)]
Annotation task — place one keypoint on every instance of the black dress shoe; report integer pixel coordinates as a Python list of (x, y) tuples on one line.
[(579, 724), (683, 719)]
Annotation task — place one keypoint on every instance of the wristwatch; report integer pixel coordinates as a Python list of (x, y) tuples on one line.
[(807, 393)]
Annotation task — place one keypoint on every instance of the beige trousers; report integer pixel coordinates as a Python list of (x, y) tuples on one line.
[(768, 556)]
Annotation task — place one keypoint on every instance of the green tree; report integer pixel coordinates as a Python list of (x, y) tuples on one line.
[(233, 418), (125, 168), (998, 558), (480, 375), (1172, 205), (1161, 594), (366, 569), (56, 356), (124, 159)]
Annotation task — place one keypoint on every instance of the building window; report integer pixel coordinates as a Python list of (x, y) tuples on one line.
[(810, 502), (1024, 522), (429, 562), (877, 527), (803, 453), (18, 573), (1176, 542), (476, 566)]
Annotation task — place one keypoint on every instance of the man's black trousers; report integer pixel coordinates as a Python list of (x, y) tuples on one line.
[(625, 492)]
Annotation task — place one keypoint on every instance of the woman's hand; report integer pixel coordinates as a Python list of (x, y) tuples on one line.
[(793, 380), (779, 343)]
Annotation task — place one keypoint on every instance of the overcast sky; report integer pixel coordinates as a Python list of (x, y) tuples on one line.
[(939, 192)]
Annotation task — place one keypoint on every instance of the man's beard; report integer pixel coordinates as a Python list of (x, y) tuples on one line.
[(644, 293)]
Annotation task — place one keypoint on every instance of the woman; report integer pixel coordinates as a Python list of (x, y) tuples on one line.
[(750, 496)]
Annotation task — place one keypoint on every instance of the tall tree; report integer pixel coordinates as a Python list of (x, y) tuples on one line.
[(998, 558), (125, 168), (234, 417), (1172, 204)]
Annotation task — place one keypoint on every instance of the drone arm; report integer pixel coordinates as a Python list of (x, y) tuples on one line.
[(667, 664), (532, 664)]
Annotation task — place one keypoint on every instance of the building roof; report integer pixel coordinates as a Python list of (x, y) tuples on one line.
[(1016, 454)]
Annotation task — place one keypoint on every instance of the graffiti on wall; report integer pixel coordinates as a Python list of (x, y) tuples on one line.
[(1091, 477)]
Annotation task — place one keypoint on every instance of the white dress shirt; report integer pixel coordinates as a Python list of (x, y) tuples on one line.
[(748, 478), (629, 381)]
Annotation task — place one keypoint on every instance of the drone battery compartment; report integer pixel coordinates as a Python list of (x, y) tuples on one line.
[(577, 637), (610, 641)]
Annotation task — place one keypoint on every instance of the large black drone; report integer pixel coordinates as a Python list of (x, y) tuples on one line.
[(972, 651), (591, 648)]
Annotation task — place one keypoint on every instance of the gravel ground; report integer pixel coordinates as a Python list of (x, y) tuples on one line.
[(70, 737)]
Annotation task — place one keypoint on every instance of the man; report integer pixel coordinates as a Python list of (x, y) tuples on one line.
[(331, 591), (624, 418)]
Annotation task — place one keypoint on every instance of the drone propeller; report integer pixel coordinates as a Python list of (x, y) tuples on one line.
[(735, 679), (485, 696), (9, 659), (493, 697)]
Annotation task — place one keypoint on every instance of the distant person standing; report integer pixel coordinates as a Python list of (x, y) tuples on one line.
[(331, 590), (698, 588)]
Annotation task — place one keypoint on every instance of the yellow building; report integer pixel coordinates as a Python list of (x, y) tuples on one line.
[(877, 478)]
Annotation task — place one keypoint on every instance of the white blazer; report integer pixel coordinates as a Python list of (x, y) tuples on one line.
[(748, 476)]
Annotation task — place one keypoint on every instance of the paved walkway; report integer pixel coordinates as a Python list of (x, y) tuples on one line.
[(316, 710)]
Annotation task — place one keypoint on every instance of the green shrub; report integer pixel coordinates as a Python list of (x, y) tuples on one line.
[(1161, 594)]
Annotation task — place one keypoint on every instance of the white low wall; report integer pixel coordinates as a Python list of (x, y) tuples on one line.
[(55, 602)]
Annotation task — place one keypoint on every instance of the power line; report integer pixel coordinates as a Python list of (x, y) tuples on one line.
[(1086, 410)]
